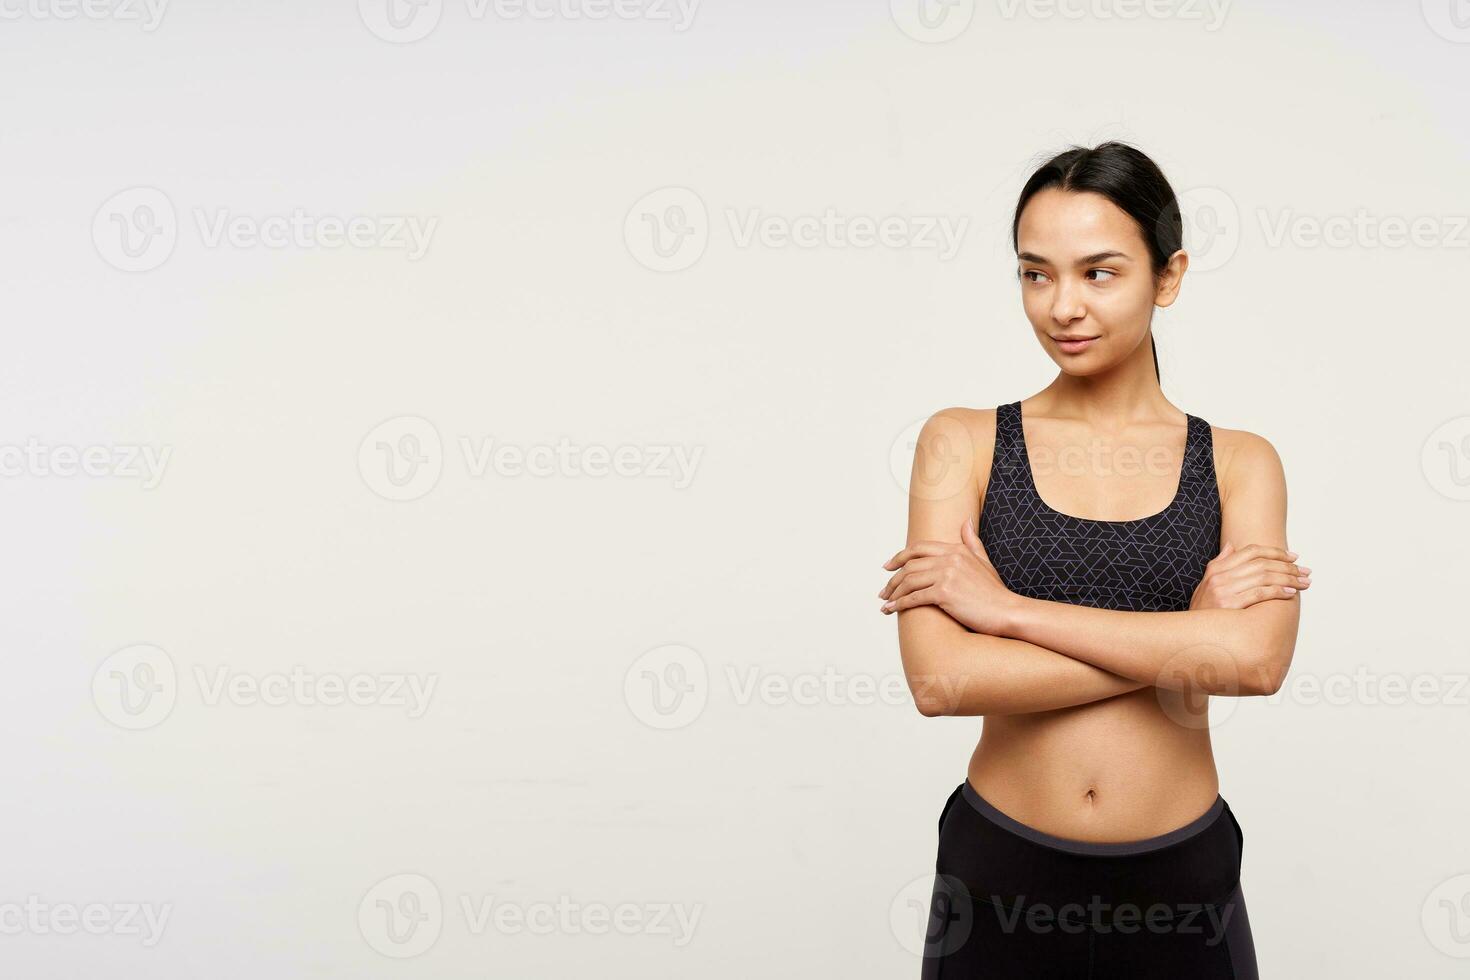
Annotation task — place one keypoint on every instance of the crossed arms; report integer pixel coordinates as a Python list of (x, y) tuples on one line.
[(971, 647)]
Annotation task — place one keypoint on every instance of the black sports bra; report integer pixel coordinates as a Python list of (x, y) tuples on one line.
[(1150, 564)]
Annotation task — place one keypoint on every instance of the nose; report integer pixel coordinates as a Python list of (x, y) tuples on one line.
[(1067, 304)]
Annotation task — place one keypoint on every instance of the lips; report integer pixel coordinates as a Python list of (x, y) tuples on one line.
[(1076, 345)]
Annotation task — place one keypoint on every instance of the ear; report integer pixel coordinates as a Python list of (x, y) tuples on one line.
[(1170, 279)]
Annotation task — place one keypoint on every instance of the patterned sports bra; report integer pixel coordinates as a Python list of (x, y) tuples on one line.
[(1151, 564)]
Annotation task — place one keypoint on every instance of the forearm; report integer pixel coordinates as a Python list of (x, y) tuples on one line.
[(952, 671), (1217, 651)]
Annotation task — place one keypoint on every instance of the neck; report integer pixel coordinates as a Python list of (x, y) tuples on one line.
[(1127, 392)]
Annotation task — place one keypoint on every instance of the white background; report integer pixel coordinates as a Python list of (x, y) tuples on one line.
[(794, 828)]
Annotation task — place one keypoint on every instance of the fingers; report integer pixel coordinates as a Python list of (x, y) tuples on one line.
[(923, 581), (1254, 559), (1269, 571), (914, 567), (1260, 594), (1239, 556), (1275, 586), (922, 597), (1264, 573), (917, 550)]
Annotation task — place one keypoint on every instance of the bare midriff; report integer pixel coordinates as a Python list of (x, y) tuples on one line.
[(1126, 768)]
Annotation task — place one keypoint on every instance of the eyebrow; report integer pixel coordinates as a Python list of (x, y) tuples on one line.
[(1093, 259)]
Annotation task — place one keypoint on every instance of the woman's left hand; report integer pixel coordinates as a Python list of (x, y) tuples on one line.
[(957, 578)]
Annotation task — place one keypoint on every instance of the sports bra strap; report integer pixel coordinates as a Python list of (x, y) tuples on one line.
[(1010, 467)]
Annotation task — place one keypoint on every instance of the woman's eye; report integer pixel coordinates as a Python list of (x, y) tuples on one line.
[(1102, 272), (1028, 273)]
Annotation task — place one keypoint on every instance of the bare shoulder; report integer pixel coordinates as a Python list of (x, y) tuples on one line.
[(1245, 459), (980, 421), (961, 438)]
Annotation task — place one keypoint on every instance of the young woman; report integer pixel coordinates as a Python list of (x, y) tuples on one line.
[(1064, 577)]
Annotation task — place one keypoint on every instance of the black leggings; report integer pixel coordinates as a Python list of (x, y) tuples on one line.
[(1010, 901)]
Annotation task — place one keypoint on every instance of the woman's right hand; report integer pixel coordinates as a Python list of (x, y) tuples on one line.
[(1238, 579)]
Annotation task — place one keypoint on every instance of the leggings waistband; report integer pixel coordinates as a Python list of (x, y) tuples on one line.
[(990, 812), (987, 854)]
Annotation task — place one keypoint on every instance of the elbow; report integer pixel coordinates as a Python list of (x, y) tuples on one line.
[(928, 692), (1265, 676), (932, 690), (1262, 682), (930, 709), (942, 678)]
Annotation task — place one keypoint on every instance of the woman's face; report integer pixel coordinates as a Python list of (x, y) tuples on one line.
[(1085, 273)]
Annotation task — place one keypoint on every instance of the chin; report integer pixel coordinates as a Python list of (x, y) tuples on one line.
[(1076, 370)]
